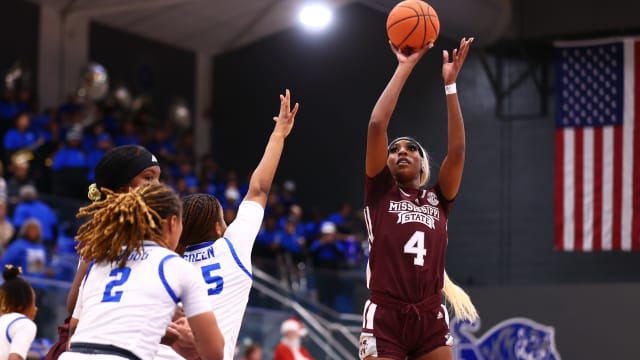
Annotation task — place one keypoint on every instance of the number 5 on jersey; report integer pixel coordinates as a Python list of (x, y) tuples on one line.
[(209, 278), (415, 245)]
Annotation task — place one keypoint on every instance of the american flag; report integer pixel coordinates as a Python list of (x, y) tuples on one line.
[(597, 165)]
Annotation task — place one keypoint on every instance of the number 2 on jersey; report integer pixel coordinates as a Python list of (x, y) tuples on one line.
[(121, 275), (211, 279), (415, 245)]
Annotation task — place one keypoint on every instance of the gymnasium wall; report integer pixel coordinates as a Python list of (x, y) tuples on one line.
[(501, 227), (589, 321)]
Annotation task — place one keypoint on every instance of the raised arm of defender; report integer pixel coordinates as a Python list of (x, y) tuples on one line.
[(262, 177)]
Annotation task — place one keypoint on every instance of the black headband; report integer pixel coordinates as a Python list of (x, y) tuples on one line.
[(409, 139), (120, 165)]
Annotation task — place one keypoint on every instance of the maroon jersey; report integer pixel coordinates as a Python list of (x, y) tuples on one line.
[(407, 231)]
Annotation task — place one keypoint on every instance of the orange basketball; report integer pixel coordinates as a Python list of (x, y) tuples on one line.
[(412, 24)]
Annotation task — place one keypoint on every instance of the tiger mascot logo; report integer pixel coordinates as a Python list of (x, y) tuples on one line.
[(512, 339)]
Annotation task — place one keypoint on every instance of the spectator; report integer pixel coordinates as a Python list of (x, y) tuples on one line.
[(128, 136), (90, 139), (295, 215), (327, 251), (210, 172), (32, 208), (20, 137), (162, 145), (27, 251), (3, 183), (268, 239), (20, 178), (328, 254), (342, 218), (253, 352), (292, 241), (187, 173), (102, 145), (288, 193), (295, 255), (312, 227), (290, 347), (6, 227), (70, 167)]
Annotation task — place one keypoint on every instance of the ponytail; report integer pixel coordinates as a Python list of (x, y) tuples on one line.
[(460, 302)]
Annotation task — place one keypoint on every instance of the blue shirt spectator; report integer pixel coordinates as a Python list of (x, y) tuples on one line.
[(20, 136), (27, 251), (32, 208), (269, 238), (103, 144), (71, 155), (291, 240), (342, 218), (327, 251)]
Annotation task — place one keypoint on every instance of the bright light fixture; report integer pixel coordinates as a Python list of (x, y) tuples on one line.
[(315, 16)]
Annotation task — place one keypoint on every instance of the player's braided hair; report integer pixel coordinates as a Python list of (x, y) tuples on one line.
[(16, 295), (120, 223), (201, 213)]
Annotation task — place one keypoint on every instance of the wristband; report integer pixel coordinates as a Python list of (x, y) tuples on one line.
[(450, 89)]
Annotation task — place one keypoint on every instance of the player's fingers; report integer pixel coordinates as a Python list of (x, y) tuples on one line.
[(445, 56), (295, 110), (393, 47)]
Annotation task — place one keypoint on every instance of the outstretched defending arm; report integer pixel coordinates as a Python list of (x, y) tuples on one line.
[(262, 177)]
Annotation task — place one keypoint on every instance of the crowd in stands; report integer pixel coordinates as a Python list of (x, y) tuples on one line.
[(54, 152)]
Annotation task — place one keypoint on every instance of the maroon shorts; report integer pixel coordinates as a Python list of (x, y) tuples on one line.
[(400, 331)]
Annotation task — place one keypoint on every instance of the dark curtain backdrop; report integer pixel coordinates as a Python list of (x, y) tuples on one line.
[(19, 27)]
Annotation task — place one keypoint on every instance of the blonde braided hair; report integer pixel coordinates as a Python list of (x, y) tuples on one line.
[(120, 224)]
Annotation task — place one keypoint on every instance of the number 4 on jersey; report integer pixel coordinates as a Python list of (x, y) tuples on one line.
[(415, 245)]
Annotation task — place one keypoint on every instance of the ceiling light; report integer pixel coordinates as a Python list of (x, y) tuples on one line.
[(315, 16)]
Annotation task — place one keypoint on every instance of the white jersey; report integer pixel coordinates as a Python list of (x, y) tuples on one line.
[(16, 335), (167, 353), (225, 265), (130, 307)]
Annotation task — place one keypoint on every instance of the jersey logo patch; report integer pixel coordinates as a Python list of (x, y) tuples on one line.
[(432, 198)]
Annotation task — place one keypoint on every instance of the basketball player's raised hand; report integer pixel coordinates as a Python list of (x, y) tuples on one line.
[(450, 69), (284, 120), (410, 58)]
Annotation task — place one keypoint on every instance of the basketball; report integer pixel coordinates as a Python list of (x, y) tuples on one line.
[(412, 25)]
